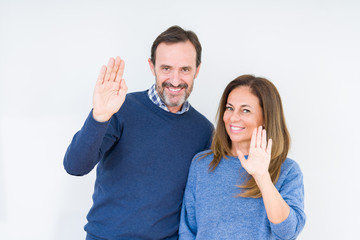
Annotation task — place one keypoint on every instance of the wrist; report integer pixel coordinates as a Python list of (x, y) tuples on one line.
[(262, 179), (100, 117)]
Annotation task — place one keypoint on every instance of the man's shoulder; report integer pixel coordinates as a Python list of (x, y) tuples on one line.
[(134, 104), (200, 117), (136, 95), (132, 98)]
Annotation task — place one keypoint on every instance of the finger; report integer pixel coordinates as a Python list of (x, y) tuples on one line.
[(253, 138), (268, 149), (109, 69), (263, 139), (120, 71), (123, 87), (258, 137), (101, 76), (115, 69)]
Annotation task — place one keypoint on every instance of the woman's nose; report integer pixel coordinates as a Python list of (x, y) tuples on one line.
[(235, 117)]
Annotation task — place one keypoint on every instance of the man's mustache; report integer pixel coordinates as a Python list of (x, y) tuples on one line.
[(167, 84)]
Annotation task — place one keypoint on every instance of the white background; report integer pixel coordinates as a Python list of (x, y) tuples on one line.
[(51, 53)]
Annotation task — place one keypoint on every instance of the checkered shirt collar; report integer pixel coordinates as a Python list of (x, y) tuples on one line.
[(155, 98)]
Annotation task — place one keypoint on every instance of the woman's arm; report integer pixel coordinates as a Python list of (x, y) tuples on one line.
[(276, 208), (284, 209)]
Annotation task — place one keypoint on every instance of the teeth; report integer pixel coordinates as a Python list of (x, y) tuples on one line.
[(175, 89), (236, 128)]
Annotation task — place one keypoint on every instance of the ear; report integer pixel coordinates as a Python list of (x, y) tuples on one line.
[(152, 67), (197, 71)]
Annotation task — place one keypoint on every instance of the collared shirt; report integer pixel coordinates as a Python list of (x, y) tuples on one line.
[(155, 98)]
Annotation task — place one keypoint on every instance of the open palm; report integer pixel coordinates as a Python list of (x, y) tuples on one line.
[(110, 90), (259, 157)]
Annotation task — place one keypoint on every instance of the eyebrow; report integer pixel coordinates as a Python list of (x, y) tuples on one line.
[(164, 65), (189, 67), (244, 105)]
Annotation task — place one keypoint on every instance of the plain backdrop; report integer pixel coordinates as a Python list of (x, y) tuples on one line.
[(51, 53)]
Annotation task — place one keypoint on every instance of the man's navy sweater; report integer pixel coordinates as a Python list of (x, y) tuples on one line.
[(143, 155)]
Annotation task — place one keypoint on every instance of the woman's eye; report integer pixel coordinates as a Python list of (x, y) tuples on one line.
[(228, 108), (246, 110)]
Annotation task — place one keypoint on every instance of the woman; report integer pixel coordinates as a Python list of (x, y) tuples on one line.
[(245, 187)]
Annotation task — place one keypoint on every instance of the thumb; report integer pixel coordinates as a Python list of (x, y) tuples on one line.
[(123, 87), (241, 157)]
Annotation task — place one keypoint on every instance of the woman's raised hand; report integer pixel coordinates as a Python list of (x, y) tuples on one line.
[(110, 90), (259, 156)]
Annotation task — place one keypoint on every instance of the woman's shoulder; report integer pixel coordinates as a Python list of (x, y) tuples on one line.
[(203, 154), (290, 164), (290, 168), (203, 158)]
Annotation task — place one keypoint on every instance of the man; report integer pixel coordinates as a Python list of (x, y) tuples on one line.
[(142, 143)]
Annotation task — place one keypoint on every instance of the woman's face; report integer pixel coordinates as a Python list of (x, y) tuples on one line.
[(242, 114)]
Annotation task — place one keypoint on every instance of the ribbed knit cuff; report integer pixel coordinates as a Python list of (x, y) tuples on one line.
[(287, 228)]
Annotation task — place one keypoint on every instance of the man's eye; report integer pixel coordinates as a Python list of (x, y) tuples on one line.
[(186, 69)]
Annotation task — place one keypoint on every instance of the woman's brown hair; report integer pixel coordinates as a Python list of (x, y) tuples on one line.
[(274, 123)]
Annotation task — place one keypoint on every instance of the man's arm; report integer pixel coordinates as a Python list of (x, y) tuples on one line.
[(188, 223), (100, 130)]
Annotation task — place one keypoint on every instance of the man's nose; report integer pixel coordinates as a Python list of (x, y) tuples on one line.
[(175, 78)]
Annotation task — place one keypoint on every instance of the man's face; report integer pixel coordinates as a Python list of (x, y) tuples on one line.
[(175, 70)]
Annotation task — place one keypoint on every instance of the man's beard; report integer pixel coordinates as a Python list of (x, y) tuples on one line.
[(166, 97)]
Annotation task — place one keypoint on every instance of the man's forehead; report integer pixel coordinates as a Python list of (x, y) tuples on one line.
[(182, 53), (179, 47)]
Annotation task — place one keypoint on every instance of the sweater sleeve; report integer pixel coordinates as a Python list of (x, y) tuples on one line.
[(292, 191), (188, 224), (89, 145)]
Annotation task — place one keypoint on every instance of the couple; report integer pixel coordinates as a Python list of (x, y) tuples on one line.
[(244, 187)]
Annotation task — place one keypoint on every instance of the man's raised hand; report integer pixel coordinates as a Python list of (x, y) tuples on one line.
[(110, 90)]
